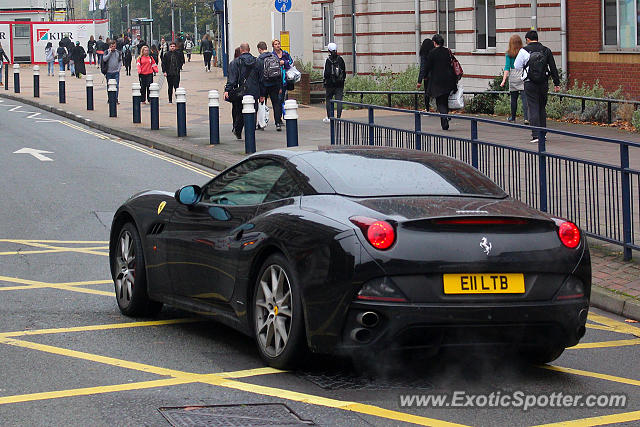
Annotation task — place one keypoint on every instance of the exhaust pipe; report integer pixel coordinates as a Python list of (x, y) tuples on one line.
[(368, 319), (361, 335)]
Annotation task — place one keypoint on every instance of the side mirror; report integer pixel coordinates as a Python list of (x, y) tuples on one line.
[(188, 195)]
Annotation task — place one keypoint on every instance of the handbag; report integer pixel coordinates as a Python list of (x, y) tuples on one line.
[(456, 99), (455, 65), (237, 93)]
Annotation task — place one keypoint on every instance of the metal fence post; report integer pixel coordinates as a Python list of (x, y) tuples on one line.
[(137, 98), (16, 78), (89, 92), (249, 113), (214, 117), (332, 122), (626, 200), (62, 96), (474, 143), (542, 170), (415, 101), (181, 110), (418, 125), (6, 76), (154, 94), (291, 117), (36, 81), (609, 115), (372, 136), (111, 95)]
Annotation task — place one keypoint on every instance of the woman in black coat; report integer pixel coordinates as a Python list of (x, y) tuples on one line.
[(77, 55), (442, 80), (423, 77)]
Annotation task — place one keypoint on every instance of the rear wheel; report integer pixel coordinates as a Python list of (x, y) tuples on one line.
[(542, 354), (277, 314), (129, 275)]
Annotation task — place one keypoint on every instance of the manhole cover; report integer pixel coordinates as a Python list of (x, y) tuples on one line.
[(349, 381), (260, 414)]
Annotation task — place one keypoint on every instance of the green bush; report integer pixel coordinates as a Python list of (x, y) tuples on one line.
[(635, 121), (486, 103), (384, 80)]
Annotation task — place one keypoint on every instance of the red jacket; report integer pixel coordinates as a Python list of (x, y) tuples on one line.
[(146, 65)]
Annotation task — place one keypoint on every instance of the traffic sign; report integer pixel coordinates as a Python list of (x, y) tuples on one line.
[(283, 5)]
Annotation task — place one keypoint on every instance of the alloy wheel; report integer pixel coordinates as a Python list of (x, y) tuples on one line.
[(126, 269), (273, 310)]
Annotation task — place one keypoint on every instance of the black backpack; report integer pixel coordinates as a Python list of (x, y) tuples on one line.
[(104, 67), (537, 67), (336, 73), (272, 71)]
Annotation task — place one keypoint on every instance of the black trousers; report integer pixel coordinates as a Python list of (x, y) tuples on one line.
[(537, 95), (273, 92), (514, 104), (127, 66), (173, 82), (337, 93), (207, 59), (238, 117), (145, 82), (442, 105), (427, 98)]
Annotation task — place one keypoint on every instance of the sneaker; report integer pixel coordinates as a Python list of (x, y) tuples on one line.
[(238, 135), (326, 120), (511, 119), (534, 141), (526, 122), (278, 127)]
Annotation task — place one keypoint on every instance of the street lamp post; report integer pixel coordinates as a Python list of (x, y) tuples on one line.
[(151, 23), (173, 28)]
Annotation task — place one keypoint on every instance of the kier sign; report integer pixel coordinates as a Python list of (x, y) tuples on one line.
[(45, 34)]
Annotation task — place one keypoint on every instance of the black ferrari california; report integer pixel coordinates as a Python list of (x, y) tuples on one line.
[(354, 250)]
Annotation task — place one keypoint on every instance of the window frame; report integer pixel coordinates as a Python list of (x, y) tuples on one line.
[(447, 11), (487, 35), (616, 46), (331, 37)]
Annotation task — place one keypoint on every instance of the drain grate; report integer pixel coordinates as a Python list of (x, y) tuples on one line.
[(254, 415), (333, 380)]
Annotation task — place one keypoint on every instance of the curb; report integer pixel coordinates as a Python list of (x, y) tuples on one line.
[(609, 301), (169, 149)]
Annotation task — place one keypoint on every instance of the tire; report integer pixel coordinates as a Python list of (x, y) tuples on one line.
[(542, 354), (278, 324), (129, 275)]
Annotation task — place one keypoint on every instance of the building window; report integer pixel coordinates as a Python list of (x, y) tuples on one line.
[(328, 28), (485, 24), (447, 22), (621, 23)]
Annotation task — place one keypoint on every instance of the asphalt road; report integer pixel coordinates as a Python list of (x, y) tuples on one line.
[(68, 357)]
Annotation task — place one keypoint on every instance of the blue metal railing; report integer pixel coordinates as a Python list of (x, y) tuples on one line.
[(603, 198)]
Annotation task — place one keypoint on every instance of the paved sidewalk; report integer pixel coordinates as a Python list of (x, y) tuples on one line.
[(617, 283)]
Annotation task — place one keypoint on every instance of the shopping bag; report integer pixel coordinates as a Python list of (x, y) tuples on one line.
[(456, 99), (263, 115), (293, 75)]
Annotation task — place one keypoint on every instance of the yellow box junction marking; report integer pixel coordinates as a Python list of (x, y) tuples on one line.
[(67, 286), (48, 248), (606, 377), (606, 344), (598, 421), (615, 325)]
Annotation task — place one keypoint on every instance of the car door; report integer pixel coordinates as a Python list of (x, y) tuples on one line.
[(202, 240)]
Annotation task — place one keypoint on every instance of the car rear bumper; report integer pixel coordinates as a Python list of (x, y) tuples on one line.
[(406, 326)]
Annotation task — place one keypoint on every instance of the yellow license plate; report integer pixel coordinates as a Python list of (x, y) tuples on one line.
[(491, 283)]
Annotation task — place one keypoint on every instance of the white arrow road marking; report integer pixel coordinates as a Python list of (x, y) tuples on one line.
[(16, 108), (34, 115), (38, 154)]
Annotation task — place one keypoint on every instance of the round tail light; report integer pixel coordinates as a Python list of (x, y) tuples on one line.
[(569, 234), (379, 233)]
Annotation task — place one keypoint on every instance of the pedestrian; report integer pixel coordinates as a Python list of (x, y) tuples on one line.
[(101, 46), (442, 79), (537, 64), (68, 44), (271, 81), (244, 79), (236, 107), (285, 63), (423, 77), (127, 56), (113, 59), (335, 73), (61, 54), (146, 67), (91, 51), (140, 44), (154, 53), (516, 85), (188, 47), (171, 64), (164, 47), (206, 47), (4, 56), (78, 55), (49, 57)]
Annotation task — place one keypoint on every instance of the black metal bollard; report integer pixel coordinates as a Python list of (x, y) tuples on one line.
[(16, 78), (249, 113), (137, 98), (36, 81), (214, 117), (89, 92), (112, 87), (154, 94), (291, 117), (181, 108), (6, 77), (62, 96)]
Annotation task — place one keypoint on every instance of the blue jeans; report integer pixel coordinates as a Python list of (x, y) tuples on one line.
[(72, 67), (115, 76), (61, 63), (50, 68)]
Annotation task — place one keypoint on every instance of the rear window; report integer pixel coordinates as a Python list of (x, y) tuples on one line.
[(371, 173)]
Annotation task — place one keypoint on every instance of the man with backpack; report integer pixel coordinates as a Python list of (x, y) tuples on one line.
[(271, 81), (245, 78), (537, 64), (171, 65), (111, 64), (335, 72)]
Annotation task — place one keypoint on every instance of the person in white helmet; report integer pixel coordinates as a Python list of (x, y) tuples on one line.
[(335, 72)]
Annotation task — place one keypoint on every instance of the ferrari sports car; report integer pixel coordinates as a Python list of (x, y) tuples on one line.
[(355, 250)]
